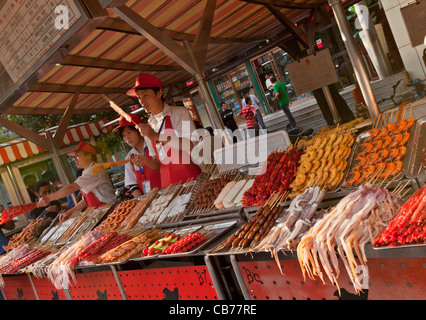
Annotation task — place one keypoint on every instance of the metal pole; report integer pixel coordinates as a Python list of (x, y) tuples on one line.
[(239, 277), (214, 277), (373, 45), (356, 59), (205, 93), (327, 94), (119, 284), (58, 165)]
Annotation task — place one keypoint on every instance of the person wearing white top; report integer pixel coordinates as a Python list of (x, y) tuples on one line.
[(97, 188), (170, 130)]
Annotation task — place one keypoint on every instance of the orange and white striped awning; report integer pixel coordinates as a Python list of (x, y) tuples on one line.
[(21, 148)]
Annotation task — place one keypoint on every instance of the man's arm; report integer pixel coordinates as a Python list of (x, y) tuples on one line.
[(61, 193)]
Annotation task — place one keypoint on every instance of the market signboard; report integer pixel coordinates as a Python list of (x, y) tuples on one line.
[(312, 72), (31, 31)]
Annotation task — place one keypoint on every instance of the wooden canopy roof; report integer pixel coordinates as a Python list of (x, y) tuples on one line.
[(108, 60)]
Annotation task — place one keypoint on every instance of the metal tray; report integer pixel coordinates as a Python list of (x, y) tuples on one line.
[(414, 245), (414, 169), (214, 231), (88, 224)]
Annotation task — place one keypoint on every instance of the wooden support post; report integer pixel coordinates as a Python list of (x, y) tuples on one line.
[(63, 125), (26, 133)]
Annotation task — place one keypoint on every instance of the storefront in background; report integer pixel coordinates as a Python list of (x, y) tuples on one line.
[(230, 88), (251, 76)]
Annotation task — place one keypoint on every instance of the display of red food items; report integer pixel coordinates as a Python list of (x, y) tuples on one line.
[(174, 244), (278, 176), (409, 225), (12, 212), (24, 261), (99, 247)]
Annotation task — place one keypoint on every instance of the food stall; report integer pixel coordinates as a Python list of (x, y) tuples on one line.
[(175, 243)]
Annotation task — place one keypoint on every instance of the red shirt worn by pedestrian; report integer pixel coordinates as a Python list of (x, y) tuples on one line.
[(248, 114)]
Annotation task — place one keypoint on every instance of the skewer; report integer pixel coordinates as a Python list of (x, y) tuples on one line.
[(405, 193), (117, 109)]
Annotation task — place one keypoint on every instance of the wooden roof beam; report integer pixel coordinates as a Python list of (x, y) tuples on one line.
[(82, 61), (202, 39), (59, 88), (63, 125), (118, 25), (284, 4), (41, 111), (26, 133), (157, 37), (297, 33)]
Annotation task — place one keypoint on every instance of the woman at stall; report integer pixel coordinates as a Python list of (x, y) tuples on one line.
[(169, 129), (143, 172), (96, 188)]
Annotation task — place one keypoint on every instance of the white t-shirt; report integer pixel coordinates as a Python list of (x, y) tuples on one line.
[(129, 174), (255, 103), (180, 117), (269, 84), (99, 183)]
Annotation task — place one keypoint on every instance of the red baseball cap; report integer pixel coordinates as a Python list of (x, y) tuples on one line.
[(82, 146), (122, 122), (145, 80)]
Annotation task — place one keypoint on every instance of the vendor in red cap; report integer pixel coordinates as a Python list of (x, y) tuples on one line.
[(143, 172), (96, 188), (169, 128)]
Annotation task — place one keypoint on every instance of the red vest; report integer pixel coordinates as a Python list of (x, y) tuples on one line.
[(176, 172), (91, 200), (148, 174)]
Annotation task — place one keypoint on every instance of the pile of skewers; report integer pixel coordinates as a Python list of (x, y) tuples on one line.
[(276, 176), (409, 225), (295, 222), (258, 226), (356, 220), (381, 153)]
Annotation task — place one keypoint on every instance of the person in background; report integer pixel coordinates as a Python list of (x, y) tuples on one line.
[(77, 194), (42, 189), (227, 116), (255, 103), (281, 95), (249, 113), (96, 187), (142, 173), (29, 181), (270, 88), (169, 129), (10, 225)]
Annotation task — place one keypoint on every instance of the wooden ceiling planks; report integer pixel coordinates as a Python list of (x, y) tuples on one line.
[(114, 40)]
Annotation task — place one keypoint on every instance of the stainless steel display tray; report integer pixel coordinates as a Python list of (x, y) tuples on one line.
[(414, 169), (355, 150), (414, 245)]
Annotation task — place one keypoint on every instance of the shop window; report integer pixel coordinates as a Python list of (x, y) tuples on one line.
[(226, 93), (4, 196), (282, 59), (202, 112), (43, 170), (241, 81)]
